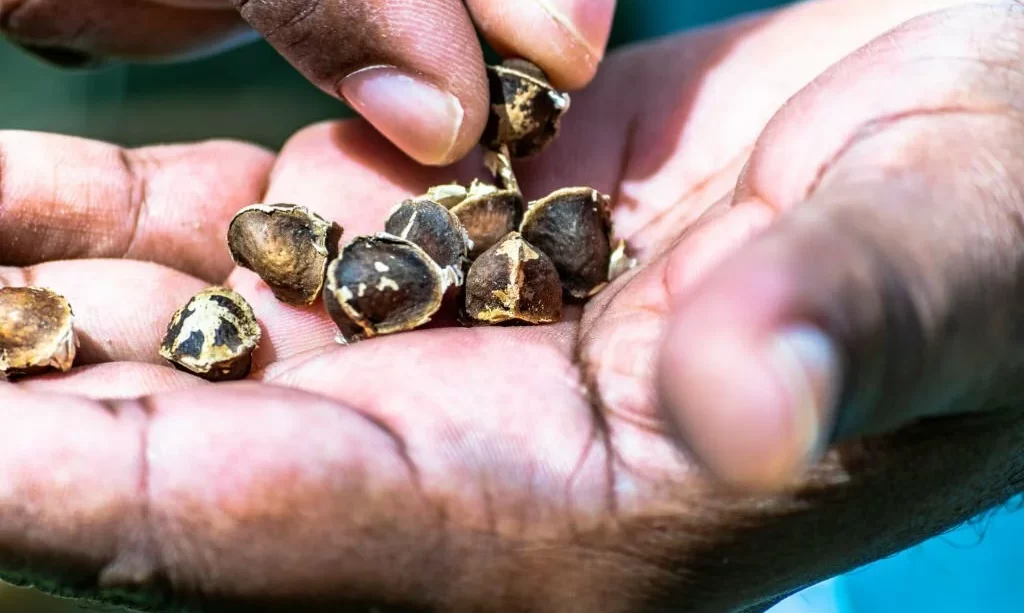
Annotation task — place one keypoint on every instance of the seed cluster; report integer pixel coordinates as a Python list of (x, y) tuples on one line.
[(480, 250)]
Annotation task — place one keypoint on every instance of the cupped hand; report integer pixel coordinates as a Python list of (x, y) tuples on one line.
[(412, 68), (851, 259)]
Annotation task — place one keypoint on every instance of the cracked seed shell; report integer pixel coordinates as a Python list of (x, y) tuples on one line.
[(37, 332), (573, 227), (434, 229), (513, 281), (488, 214), (213, 336), (525, 109), (287, 245), (383, 284)]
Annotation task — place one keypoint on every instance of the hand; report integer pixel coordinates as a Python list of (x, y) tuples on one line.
[(533, 469), (414, 69)]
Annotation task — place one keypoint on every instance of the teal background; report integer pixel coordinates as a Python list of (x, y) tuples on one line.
[(251, 93)]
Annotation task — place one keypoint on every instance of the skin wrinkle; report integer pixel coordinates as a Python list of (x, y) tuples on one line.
[(137, 196), (870, 128)]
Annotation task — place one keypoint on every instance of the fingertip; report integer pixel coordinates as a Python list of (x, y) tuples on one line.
[(565, 38), (747, 393)]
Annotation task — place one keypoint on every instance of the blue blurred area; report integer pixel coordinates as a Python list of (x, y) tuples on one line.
[(252, 93)]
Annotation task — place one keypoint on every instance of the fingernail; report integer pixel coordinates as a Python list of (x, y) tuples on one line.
[(807, 363), (416, 116), (588, 21)]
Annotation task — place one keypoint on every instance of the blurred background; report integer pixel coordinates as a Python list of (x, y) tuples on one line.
[(250, 93)]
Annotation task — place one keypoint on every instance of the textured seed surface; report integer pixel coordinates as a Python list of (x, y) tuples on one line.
[(383, 284), (572, 227), (434, 229), (287, 245), (488, 214), (36, 332), (213, 336), (525, 109), (513, 281)]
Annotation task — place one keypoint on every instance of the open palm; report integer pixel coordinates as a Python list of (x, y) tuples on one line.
[(512, 469)]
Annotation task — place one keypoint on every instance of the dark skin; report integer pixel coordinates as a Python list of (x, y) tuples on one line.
[(562, 467), (432, 41)]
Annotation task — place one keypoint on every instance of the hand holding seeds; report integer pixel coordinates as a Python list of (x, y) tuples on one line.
[(503, 259), (525, 465)]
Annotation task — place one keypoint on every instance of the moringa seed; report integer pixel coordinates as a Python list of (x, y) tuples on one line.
[(37, 332), (525, 109), (573, 227), (383, 284), (513, 281), (213, 336), (434, 229), (287, 245)]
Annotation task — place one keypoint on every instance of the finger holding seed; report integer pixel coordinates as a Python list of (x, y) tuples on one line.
[(37, 332), (573, 227), (213, 336), (513, 281), (383, 284), (287, 246)]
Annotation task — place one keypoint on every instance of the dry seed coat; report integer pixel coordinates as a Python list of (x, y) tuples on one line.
[(383, 284), (36, 332), (513, 281), (213, 336), (288, 246)]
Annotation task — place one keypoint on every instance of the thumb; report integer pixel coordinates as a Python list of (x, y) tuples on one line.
[(893, 291)]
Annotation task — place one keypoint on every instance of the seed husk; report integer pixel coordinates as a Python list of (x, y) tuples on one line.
[(488, 214), (37, 332), (213, 336), (383, 284), (434, 229), (573, 227), (513, 282), (287, 245), (525, 109)]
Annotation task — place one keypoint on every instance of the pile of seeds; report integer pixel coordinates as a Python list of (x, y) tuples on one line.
[(480, 249)]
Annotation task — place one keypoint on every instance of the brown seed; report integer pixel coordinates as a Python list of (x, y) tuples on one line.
[(434, 229), (525, 109), (383, 284), (213, 336), (488, 214), (572, 226), (36, 332), (287, 245), (513, 281)]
